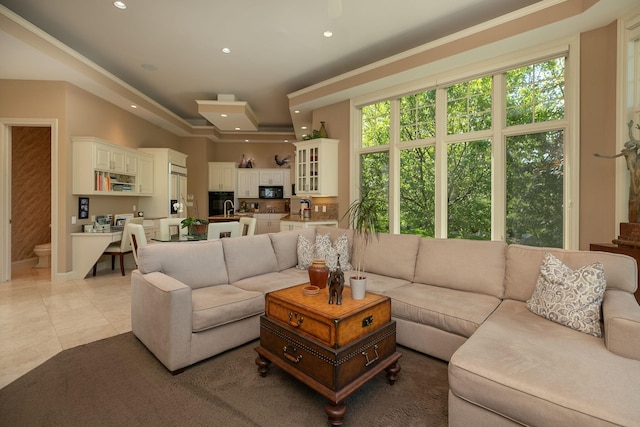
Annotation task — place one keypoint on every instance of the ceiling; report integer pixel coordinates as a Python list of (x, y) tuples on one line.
[(171, 51)]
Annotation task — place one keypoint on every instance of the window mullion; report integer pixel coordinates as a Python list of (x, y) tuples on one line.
[(441, 165), (394, 168), (498, 161)]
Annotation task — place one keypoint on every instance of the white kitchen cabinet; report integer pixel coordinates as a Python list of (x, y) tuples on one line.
[(317, 167), (168, 187), (267, 223), (248, 183), (145, 174), (131, 162), (222, 176), (100, 167), (271, 177), (297, 225), (250, 179), (118, 160)]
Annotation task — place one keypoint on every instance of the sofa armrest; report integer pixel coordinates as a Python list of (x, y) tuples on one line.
[(161, 317), (621, 315)]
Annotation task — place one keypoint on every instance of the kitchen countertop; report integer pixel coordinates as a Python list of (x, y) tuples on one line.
[(298, 218), (223, 218)]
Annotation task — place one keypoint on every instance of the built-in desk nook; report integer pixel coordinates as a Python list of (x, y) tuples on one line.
[(87, 248)]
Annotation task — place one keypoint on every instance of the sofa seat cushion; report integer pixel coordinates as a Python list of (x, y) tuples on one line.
[(271, 282), (538, 372), (218, 305), (377, 283), (449, 310)]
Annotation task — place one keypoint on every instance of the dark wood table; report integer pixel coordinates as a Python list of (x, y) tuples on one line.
[(625, 250), (335, 371)]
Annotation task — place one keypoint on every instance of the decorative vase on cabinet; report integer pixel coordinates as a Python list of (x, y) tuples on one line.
[(318, 273)]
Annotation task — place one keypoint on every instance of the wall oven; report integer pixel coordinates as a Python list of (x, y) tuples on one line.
[(217, 199)]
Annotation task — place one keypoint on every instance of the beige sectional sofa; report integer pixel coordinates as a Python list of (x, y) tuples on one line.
[(459, 300)]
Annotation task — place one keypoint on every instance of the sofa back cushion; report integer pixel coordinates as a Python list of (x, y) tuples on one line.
[(249, 256), (523, 268), (334, 233), (465, 265), (196, 264), (285, 246), (391, 255)]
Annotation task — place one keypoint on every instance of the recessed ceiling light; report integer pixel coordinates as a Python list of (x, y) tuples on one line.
[(246, 140), (237, 128), (226, 50), (304, 128), (120, 4), (286, 140), (134, 106), (297, 111), (223, 115), (327, 34)]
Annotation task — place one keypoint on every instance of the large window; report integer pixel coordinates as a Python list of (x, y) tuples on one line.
[(417, 191), (469, 190), (535, 189), (482, 158), (374, 184)]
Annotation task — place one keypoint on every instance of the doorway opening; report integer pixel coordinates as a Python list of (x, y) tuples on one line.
[(28, 192)]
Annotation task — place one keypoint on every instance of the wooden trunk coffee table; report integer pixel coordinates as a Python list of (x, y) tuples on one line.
[(334, 349)]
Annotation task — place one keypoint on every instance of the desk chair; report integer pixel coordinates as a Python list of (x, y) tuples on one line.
[(248, 226), (120, 248), (167, 224), (138, 238), (217, 230)]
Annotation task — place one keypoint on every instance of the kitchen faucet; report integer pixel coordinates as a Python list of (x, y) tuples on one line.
[(225, 206)]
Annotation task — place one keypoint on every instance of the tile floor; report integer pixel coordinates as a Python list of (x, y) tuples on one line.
[(39, 318)]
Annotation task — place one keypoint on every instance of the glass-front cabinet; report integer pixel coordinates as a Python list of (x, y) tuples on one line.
[(317, 167)]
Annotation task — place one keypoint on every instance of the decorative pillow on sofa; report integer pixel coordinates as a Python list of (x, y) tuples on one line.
[(330, 251), (571, 298), (306, 252)]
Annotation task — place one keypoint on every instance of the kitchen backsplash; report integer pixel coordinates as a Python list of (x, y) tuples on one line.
[(292, 206)]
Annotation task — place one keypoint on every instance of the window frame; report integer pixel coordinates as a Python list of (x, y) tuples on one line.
[(498, 134)]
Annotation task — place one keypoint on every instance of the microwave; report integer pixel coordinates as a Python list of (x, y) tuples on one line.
[(271, 192)]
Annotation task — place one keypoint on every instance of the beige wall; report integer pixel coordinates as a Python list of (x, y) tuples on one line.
[(80, 113), (198, 174), (597, 135), (39, 100), (338, 125)]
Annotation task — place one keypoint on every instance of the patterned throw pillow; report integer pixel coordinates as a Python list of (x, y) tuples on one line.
[(306, 252), (571, 298), (329, 252)]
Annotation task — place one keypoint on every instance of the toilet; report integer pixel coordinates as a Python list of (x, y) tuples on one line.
[(43, 252)]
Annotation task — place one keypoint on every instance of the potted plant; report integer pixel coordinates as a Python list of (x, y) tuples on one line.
[(363, 219), (194, 225)]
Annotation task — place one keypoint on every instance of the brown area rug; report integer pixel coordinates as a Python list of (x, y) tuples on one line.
[(118, 382)]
